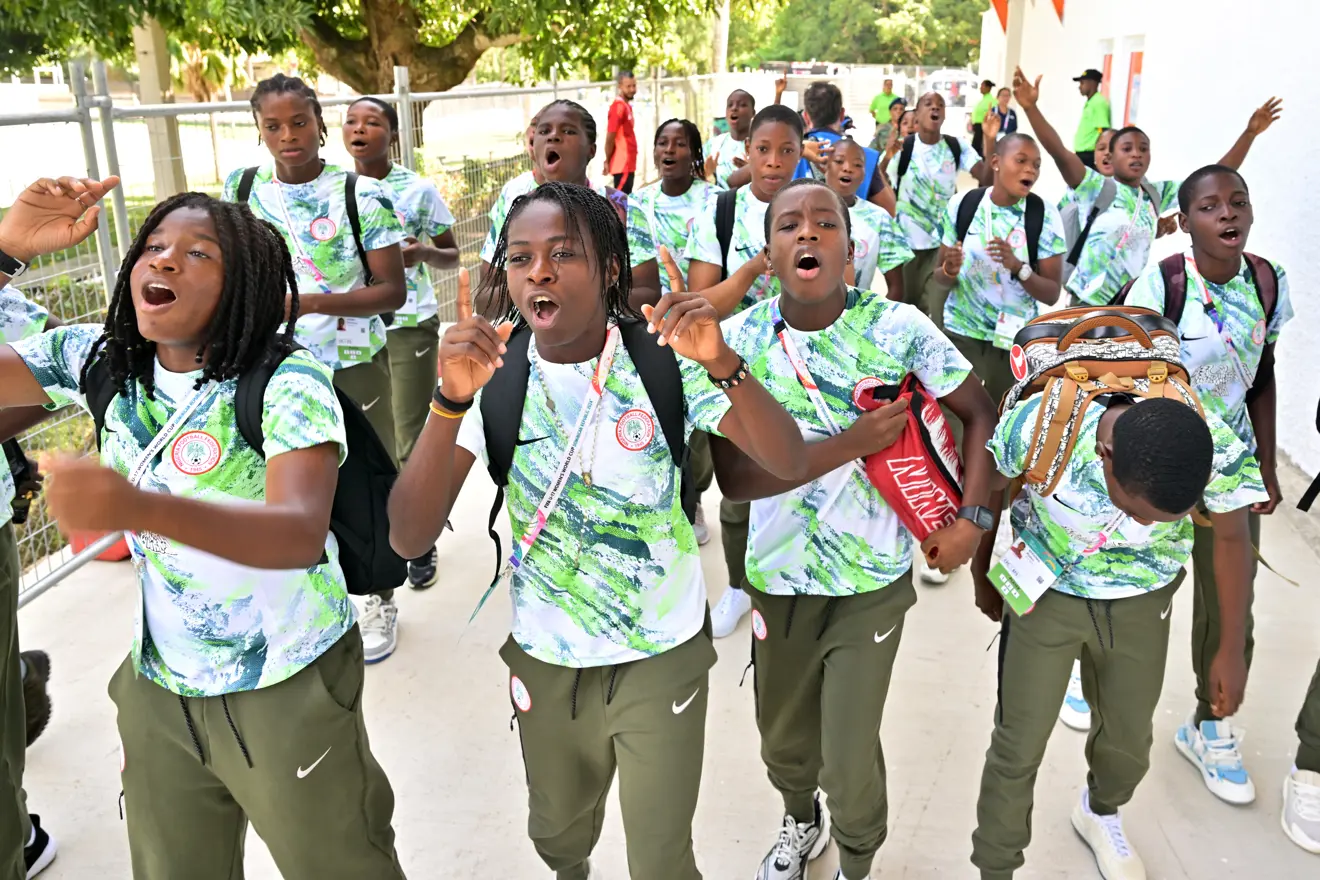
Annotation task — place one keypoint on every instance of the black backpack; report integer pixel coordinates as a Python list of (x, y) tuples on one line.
[(1314, 491), (350, 206), (726, 211), (1034, 220), (358, 516), (905, 157), (504, 395)]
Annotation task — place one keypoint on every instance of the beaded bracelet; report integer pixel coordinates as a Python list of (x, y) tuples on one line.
[(733, 381)]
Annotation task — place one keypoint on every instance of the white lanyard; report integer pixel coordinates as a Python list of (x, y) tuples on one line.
[(805, 378), (166, 434), (552, 494), (308, 264), (1220, 321)]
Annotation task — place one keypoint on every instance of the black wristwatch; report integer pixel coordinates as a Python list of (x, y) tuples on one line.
[(981, 517), (11, 266)]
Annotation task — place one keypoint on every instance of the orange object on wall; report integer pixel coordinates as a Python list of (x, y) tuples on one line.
[(1133, 89), (1058, 8), (1001, 9), (1106, 68), (80, 541)]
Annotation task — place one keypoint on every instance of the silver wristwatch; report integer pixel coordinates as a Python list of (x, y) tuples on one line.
[(1025, 273)]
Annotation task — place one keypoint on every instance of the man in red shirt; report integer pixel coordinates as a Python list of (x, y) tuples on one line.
[(621, 137)]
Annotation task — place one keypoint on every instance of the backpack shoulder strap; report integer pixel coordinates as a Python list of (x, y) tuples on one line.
[(250, 402), (955, 147), (1266, 282), (1108, 192), (99, 389), (1151, 192), (726, 211), (1173, 269), (355, 221), (245, 184), (967, 211), (1035, 223), (502, 402), (904, 160)]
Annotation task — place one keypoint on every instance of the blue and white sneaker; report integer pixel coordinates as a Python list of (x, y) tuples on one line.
[(1213, 748), (1074, 712)]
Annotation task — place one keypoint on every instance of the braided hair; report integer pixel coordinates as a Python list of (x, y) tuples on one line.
[(589, 217), (280, 84), (588, 121), (693, 137), (245, 330)]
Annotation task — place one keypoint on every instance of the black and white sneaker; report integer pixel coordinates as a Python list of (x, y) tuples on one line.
[(38, 854), (798, 843), (422, 571)]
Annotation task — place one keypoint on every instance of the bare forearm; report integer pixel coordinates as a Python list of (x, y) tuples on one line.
[(16, 420), (1065, 159), (740, 177), (973, 406), (1232, 561), (425, 491), (727, 294), (894, 283), (441, 257), (256, 535), (1237, 154), (1042, 289), (742, 479), (985, 551), (646, 285), (773, 439), (1261, 410), (363, 302)]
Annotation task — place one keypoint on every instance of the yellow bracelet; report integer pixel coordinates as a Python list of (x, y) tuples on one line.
[(444, 413)]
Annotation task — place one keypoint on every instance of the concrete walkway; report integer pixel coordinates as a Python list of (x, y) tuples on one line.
[(439, 717)]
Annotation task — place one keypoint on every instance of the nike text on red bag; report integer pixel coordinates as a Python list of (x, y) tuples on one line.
[(920, 475)]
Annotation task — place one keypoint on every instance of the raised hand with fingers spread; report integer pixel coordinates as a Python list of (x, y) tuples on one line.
[(51, 215)]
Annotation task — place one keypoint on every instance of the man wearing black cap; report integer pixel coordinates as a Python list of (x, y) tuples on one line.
[(1095, 115)]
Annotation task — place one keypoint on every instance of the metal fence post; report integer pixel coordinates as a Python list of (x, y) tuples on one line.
[(407, 143), (105, 109), (78, 81), (554, 82)]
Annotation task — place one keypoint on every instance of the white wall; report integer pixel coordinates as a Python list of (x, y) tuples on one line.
[(1207, 64)]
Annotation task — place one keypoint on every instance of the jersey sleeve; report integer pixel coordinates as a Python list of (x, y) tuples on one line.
[(949, 221), (380, 226), (56, 359), (439, 218), (300, 409), (894, 249), (706, 404), (925, 351), (1012, 438), (497, 214), (968, 158), (1168, 190), (703, 244), (1052, 243), (1283, 307), (1087, 193), (641, 244), (20, 317), (1148, 290), (1235, 480), (230, 191), (472, 431)]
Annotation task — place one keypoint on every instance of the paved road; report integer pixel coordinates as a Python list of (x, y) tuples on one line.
[(439, 719)]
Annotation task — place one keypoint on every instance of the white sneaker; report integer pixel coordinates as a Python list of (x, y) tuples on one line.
[(379, 623), (1213, 749), (1301, 809), (593, 873), (928, 575), (1074, 712), (728, 611), (797, 844), (699, 527), (1107, 840)]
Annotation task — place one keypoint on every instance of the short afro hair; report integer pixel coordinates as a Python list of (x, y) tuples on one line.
[(1188, 188), (777, 113), (1163, 453)]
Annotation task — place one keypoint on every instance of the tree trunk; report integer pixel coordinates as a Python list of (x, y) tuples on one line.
[(722, 38)]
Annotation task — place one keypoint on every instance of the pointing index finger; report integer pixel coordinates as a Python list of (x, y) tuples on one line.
[(464, 295)]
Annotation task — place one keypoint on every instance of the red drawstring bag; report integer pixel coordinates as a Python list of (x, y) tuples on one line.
[(920, 475)]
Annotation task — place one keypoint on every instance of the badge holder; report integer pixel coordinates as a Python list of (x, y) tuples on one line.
[(353, 340), (1024, 573), (1006, 328)]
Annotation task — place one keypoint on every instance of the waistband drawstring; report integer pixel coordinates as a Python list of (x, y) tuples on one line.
[(1109, 621), (192, 731), (242, 746)]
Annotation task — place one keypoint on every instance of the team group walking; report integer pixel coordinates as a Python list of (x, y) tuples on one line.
[(873, 366)]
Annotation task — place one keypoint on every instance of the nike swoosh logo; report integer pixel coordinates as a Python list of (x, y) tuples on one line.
[(367, 406), (1165, 613), (528, 440), (880, 638), (1194, 338), (303, 773), (422, 352), (679, 707)]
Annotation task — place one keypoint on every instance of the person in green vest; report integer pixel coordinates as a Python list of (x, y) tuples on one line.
[(978, 115), (1095, 115), (880, 103)]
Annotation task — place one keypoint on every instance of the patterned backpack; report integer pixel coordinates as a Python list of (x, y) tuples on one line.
[(1074, 357)]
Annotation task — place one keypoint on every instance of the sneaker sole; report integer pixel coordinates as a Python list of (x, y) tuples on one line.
[(1076, 824), (1072, 721), (376, 659), (1306, 843), (1185, 749), (47, 856), (426, 584)]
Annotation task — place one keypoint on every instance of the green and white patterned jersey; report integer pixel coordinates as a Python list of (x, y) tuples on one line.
[(925, 190), (878, 244), (615, 576), (315, 224), (1137, 558), (748, 240), (206, 625), (836, 536), (20, 318), (1118, 247), (641, 247), (1214, 369), (727, 148), (423, 214), (985, 288), (672, 219)]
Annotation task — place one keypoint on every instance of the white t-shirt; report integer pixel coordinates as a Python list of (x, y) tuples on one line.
[(748, 240)]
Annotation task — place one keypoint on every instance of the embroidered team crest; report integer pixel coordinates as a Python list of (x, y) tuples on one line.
[(323, 229), (634, 430), (195, 453), (1017, 238), (862, 392), (1258, 332)]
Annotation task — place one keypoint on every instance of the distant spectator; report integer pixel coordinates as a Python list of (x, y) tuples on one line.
[(621, 159), (1007, 115), (978, 116), (1095, 115), (884, 130), (881, 103)]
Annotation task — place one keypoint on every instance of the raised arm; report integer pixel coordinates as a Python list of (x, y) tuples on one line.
[(1262, 118), (704, 278), (1069, 165)]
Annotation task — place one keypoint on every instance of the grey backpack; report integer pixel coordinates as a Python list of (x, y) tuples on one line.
[(1075, 231)]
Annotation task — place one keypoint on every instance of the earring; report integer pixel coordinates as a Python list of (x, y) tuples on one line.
[(198, 358)]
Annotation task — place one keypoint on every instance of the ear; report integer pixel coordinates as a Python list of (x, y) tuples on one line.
[(615, 271), (852, 247), (591, 154), (1183, 223), (769, 266)]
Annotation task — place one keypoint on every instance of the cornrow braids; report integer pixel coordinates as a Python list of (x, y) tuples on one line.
[(693, 136), (280, 84), (588, 121), (245, 331), (593, 220)]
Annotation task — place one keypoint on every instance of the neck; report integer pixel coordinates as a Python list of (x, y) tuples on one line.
[(849, 200), (675, 187), (759, 193), (1132, 182), (584, 347), (299, 173), (816, 315), (1104, 432), (178, 358), (1214, 269), (379, 168), (929, 137), (742, 133), (1002, 197)]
